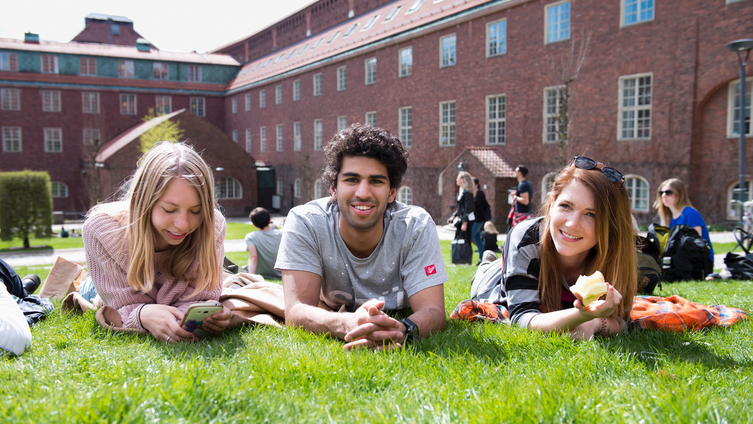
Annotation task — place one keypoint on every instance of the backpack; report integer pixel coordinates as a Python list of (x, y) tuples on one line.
[(657, 235), (486, 211), (649, 267), (686, 255)]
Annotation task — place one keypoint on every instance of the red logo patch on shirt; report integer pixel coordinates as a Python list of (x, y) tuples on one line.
[(431, 269)]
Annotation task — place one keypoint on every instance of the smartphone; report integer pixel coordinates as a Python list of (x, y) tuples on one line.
[(195, 315)]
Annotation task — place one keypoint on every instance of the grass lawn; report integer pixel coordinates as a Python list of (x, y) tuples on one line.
[(477, 373)]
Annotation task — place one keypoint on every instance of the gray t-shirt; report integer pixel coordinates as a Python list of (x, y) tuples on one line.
[(407, 259), (267, 243)]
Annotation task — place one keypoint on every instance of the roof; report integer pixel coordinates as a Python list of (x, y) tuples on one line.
[(380, 24), (498, 167), (127, 136), (105, 17), (109, 50)]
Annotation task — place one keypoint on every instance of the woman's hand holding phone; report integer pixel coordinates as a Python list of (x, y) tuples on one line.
[(216, 323), (162, 322)]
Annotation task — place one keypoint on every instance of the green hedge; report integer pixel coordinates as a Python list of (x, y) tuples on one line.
[(25, 205)]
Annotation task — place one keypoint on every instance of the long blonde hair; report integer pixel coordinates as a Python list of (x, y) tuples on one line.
[(678, 188), (466, 182), (195, 259), (614, 253)]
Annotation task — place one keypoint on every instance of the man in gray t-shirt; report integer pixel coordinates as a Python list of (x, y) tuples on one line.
[(347, 259), (263, 245)]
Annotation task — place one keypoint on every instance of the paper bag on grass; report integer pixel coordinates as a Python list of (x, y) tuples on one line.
[(65, 277)]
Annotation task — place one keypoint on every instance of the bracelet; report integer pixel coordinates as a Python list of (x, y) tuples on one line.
[(139, 316)]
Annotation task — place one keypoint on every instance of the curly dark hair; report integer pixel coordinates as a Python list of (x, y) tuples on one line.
[(368, 141)]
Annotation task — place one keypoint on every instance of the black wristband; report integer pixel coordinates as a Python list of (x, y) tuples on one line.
[(411, 330)]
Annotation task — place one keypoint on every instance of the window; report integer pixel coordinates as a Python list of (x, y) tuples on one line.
[(733, 108), (297, 136), (90, 102), (297, 90), (263, 139), (636, 11), (279, 138), (319, 189), (370, 23), (406, 126), (51, 101), (352, 28), (371, 118), (160, 71), (333, 37), (279, 187), (91, 136), (235, 136), (405, 195), (342, 122), (557, 27), (59, 189), (8, 61), (127, 104), (164, 104), (447, 51), (229, 188), (278, 94), (317, 134), (415, 6), (11, 139), (49, 64), (637, 189), (371, 70), (248, 140), (194, 73), (10, 99), (635, 108), (447, 123), (392, 14), (263, 99), (318, 85), (297, 188), (553, 99), (53, 140), (495, 119), (733, 193), (248, 102), (496, 38), (87, 66), (546, 185), (197, 106), (342, 78), (406, 61), (125, 69)]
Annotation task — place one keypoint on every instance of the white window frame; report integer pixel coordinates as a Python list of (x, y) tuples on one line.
[(278, 94), (546, 184), (318, 134), (279, 187), (199, 106), (405, 69), (128, 104), (194, 73), (163, 105), (447, 119), (733, 106), (262, 99), (91, 134), (405, 195), (635, 108), (229, 188), (297, 136), (234, 105), (371, 118), (248, 140), (160, 71), (297, 188), (48, 64), (234, 136), (405, 124), (342, 122), (10, 99), (279, 138), (263, 139), (552, 102), (317, 85), (125, 69), (53, 140), (296, 90), (56, 187), (342, 78), (496, 38), (638, 195), (9, 61), (370, 70), (248, 102), (51, 101), (319, 189), (87, 66), (496, 119), (90, 102), (448, 51), (733, 209), (558, 31), (639, 3), (12, 140)]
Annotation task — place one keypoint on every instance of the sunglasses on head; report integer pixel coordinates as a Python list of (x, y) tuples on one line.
[(582, 162), (666, 192)]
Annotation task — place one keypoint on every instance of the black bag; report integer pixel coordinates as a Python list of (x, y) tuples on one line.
[(657, 235), (486, 211), (686, 255), (740, 266), (649, 267), (462, 253)]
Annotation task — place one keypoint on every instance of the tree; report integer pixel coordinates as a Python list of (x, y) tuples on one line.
[(167, 130), (26, 197)]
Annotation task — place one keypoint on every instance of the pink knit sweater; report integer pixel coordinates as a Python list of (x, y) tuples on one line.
[(107, 259)]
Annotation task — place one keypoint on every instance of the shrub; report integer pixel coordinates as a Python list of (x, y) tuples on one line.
[(26, 200)]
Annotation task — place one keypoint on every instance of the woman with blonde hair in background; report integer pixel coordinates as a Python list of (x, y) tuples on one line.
[(675, 209), (464, 215)]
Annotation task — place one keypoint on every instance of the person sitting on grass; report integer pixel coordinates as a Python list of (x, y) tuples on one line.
[(489, 236), (348, 257), (263, 245), (161, 248), (586, 227)]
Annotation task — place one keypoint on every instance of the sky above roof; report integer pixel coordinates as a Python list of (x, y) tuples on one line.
[(194, 25)]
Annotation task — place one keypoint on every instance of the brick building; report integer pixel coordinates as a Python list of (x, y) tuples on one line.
[(649, 88)]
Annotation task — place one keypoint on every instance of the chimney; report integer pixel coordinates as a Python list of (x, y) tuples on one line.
[(31, 38)]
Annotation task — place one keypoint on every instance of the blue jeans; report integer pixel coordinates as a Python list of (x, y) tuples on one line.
[(87, 290), (476, 236)]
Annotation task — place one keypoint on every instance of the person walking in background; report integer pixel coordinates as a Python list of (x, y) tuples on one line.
[(521, 200), (481, 206), (263, 245), (464, 214), (675, 208)]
